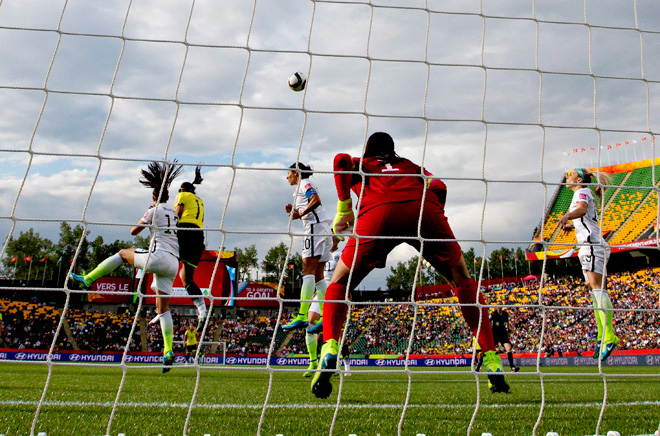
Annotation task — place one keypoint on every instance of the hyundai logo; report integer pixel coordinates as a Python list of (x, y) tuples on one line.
[(380, 362), (429, 362), (649, 360), (230, 360), (281, 361), (74, 357), (20, 356), (128, 359)]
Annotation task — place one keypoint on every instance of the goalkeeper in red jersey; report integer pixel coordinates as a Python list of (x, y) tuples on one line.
[(401, 200)]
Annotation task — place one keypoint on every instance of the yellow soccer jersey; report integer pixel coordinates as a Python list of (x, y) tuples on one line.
[(193, 208), (191, 337)]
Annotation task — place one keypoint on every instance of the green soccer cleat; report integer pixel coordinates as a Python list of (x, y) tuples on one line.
[(608, 348), (316, 328), (168, 361), (80, 279), (493, 364), (298, 322), (321, 386), (313, 366)]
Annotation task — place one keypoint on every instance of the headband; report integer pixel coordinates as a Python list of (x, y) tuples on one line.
[(581, 174)]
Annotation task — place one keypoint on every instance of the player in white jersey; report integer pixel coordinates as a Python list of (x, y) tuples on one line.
[(317, 242), (594, 251), (163, 258), (315, 312)]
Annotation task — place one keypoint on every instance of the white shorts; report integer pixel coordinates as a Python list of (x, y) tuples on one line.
[(318, 241), (315, 306), (593, 259), (162, 265)]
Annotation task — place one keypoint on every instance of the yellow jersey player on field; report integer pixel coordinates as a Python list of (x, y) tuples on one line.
[(190, 209), (190, 336)]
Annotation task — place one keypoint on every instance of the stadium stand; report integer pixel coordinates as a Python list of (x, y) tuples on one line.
[(630, 207), (373, 328)]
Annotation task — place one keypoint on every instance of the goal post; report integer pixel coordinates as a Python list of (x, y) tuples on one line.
[(497, 99)]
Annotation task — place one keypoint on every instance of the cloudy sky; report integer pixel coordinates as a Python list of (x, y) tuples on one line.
[(493, 98)]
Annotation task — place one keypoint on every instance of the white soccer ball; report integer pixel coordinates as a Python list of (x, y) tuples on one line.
[(297, 81)]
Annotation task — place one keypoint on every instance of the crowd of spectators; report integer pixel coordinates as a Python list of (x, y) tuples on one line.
[(561, 309)]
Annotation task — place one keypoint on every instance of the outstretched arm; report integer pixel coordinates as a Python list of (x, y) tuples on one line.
[(343, 181)]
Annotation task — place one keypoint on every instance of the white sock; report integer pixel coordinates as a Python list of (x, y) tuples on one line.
[(306, 293), (167, 327), (321, 287)]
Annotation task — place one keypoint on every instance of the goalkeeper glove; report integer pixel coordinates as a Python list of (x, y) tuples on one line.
[(344, 207)]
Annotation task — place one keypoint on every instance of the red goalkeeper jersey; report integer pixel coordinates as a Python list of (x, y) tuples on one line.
[(384, 182)]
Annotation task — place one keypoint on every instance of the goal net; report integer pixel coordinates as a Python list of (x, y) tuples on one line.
[(498, 99)]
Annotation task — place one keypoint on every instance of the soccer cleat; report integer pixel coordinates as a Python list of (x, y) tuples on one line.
[(493, 364), (316, 328), (596, 350), (298, 322), (313, 365), (608, 348), (80, 280), (168, 360), (515, 368), (321, 386), (155, 319)]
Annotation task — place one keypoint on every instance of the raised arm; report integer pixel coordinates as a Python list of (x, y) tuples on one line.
[(343, 181)]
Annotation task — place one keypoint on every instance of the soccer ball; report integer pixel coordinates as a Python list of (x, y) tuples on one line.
[(297, 81)]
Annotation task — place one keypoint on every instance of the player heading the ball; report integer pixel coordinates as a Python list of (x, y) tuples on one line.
[(317, 242), (394, 206), (189, 207), (162, 261)]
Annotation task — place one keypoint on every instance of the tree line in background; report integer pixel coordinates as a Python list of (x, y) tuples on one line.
[(31, 256)]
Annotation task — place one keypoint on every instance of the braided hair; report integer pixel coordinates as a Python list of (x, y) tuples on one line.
[(159, 177)]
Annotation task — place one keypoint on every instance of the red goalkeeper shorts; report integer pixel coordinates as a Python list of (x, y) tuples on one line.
[(401, 220)]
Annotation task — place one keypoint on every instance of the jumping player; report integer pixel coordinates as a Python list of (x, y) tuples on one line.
[(594, 252), (315, 312), (190, 210), (395, 206), (318, 239), (162, 261)]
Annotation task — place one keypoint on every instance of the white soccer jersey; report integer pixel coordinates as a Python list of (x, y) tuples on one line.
[(586, 227), (166, 239), (300, 201), (331, 265)]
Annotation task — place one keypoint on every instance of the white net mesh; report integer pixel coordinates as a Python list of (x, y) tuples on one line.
[(489, 96)]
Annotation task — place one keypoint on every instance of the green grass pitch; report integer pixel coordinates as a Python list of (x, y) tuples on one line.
[(230, 402)]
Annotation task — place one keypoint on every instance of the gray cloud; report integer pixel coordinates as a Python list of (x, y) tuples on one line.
[(508, 121)]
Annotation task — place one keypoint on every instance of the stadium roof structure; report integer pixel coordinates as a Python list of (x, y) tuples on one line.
[(629, 221)]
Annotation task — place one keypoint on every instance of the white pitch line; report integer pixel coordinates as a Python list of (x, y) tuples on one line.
[(320, 406)]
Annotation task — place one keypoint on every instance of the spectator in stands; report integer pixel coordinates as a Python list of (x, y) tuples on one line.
[(594, 251)]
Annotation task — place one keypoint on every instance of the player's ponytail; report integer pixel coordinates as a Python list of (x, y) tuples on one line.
[(600, 178), (159, 177), (190, 186), (305, 171)]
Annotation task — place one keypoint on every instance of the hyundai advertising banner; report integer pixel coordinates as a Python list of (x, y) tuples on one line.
[(147, 358)]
